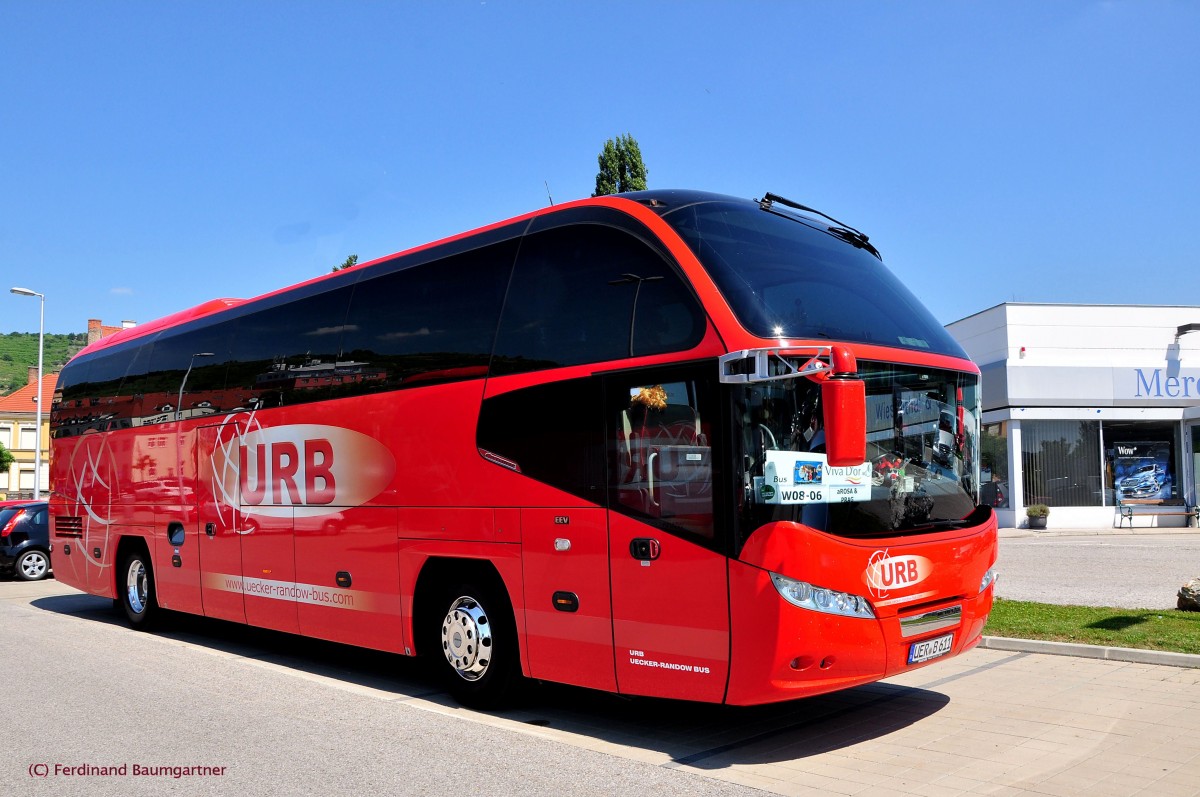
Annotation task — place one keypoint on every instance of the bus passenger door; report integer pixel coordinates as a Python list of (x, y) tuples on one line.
[(219, 523), (269, 487), (670, 598), (172, 500)]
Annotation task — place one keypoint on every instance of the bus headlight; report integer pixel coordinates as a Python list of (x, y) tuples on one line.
[(819, 599), (989, 578)]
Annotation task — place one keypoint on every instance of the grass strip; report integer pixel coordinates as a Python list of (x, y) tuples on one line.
[(1147, 629)]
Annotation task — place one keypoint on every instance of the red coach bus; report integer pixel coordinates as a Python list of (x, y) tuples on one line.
[(663, 443)]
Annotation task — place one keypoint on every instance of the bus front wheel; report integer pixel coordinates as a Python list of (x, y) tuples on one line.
[(476, 644)]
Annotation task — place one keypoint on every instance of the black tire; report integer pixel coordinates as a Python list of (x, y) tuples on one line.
[(135, 590), (32, 565), (472, 639)]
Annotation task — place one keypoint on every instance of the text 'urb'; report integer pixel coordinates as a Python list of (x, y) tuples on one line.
[(281, 476)]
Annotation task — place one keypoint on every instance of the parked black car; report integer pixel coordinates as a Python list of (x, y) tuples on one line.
[(25, 540)]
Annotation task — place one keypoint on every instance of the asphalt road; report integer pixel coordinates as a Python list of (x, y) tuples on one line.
[(277, 714), (1132, 571), (96, 693)]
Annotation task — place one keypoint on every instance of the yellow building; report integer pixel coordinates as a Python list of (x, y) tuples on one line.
[(18, 433)]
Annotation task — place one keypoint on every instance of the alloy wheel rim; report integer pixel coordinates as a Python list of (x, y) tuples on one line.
[(34, 565), (467, 639), (135, 586)]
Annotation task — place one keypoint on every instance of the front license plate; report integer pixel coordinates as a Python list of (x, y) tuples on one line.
[(930, 648)]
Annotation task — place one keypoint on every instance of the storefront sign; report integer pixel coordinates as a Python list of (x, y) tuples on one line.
[(1157, 383)]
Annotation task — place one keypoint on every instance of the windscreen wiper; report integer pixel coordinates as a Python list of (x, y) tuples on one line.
[(841, 230), (942, 524)]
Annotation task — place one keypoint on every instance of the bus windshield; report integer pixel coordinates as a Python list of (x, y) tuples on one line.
[(921, 472), (795, 277)]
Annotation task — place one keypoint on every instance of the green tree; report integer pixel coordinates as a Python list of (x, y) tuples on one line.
[(621, 167), (6, 459), (347, 263)]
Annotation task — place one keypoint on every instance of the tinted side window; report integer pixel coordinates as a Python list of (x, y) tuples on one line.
[(553, 432), (587, 293), (668, 318), (431, 323), (90, 394), (289, 354), (158, 374), (108, 370), (73, 381)]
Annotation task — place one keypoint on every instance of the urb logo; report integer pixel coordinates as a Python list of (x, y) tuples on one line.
[(300, 469), (886, 572)]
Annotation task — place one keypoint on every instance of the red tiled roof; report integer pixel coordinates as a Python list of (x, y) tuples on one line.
[(22, 399)]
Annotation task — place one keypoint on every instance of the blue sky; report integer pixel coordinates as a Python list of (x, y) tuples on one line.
[(156, 155)]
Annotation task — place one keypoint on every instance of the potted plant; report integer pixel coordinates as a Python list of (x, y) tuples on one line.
[(1037, 514)]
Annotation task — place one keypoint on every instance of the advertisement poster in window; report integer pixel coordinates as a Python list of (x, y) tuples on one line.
[(1142, 470)]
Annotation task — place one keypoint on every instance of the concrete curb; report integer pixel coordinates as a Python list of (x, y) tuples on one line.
[(1091, 651), (1139, 531)]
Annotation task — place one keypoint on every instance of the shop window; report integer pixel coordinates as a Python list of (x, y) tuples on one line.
[(1060, 463), (993, 470), (1195, 493), (1141, 461)]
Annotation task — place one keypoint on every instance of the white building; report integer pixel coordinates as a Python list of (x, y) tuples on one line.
[(1088, 406)]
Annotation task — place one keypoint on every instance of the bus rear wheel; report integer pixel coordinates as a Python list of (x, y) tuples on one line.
[(135, 583), (476, 644)]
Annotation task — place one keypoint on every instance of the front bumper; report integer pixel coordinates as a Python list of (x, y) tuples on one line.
[(782, 652)]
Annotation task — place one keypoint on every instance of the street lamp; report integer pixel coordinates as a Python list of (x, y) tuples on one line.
[(179, 401), (37, 435)]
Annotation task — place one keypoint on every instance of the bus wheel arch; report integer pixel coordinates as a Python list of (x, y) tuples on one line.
[(464, 624)]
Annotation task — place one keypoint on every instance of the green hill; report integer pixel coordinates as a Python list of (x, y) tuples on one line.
[(19, 353)]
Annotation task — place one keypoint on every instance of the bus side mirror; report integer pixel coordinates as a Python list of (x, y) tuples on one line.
[(845, 408)]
